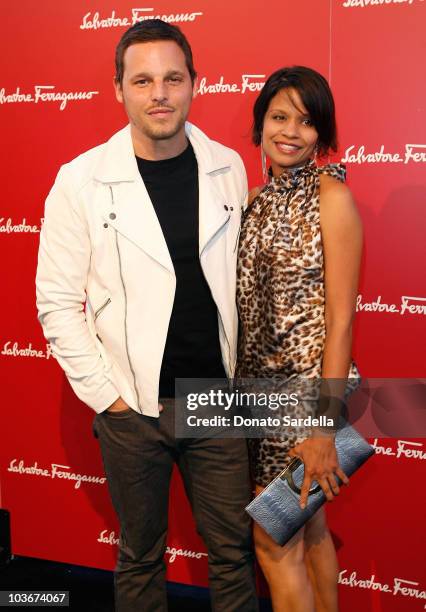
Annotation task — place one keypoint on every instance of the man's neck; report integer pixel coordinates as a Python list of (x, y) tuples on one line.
[(156, 150)]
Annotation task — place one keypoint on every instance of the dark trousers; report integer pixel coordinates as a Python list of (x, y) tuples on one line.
[(138, 454)]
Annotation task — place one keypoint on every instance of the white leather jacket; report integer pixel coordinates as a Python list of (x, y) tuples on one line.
[(105, 280)]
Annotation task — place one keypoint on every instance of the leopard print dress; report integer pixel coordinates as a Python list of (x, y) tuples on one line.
[(280, 295)]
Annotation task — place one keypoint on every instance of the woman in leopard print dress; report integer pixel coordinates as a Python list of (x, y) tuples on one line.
[(299, 258)]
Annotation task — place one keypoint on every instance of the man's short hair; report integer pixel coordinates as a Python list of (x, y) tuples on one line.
[(315, 94), (151, 30)]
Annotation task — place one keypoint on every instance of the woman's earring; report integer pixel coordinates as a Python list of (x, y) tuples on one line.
[(316, 153), (265, 174)]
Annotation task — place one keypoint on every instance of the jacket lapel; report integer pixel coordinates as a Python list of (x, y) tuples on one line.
[(213, 211), (128, 207), (136, 219), (129, 210), (213, 207)]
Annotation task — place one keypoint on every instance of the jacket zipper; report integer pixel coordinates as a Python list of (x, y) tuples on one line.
[(100, 309), (125, 313), (238, 236)]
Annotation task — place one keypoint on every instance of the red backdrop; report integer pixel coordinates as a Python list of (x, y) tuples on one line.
[(373, 53)]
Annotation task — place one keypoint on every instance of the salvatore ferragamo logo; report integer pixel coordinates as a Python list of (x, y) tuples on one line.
[(182, 552), (405, 448), (401, 586), (414, 153), (248, 83), (44, 93), (410, 305), (55, 471), (367, 3), (8, 227), (93, 21), (14, 350), (109, 537)]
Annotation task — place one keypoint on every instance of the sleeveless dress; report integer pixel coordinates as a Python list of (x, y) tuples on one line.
[(281, 298)]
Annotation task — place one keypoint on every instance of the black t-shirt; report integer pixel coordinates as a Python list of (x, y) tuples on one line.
[(192, 347)]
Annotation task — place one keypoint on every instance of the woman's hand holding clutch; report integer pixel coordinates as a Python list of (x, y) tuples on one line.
[(321, 464)]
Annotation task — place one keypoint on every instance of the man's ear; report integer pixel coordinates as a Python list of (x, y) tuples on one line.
[(118, 90)]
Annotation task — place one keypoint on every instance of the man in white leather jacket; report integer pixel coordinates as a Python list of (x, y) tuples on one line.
[(135, 287)]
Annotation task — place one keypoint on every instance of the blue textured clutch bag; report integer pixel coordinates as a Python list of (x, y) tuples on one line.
[(277, 508)]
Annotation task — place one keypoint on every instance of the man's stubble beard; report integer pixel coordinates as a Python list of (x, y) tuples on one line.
[(161, 132)]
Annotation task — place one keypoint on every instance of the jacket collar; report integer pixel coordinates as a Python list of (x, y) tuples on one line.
[(118, 162)]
